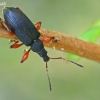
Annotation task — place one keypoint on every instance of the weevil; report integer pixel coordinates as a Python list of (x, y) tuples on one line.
[(18, 23)]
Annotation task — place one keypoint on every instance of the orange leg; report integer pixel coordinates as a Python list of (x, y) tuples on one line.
[(19, 9), (38, 25), (16, 45), (48, 39), (25, 56), (11, 33), (6, 27)]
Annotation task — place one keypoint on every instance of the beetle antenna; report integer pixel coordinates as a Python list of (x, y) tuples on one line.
[(48, 76), (68, 61)]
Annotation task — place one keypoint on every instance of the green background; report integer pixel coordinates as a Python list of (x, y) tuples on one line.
[(28, 81)]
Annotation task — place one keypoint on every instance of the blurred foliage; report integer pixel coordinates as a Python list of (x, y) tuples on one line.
[(28, 81)]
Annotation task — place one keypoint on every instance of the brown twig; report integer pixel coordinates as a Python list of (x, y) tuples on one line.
[(66, 43)]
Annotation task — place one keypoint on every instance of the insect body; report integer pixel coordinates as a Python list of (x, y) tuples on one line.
[(18, 23), (24, 29)]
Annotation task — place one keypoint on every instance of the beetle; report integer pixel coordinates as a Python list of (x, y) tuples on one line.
[(18, 23)]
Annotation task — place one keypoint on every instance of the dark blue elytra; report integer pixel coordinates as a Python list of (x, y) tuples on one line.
[(24, 29)]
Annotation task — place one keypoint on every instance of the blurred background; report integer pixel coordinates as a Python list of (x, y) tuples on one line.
[(28, 81)]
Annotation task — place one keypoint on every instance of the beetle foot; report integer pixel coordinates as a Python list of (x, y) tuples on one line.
[(10, 41), (25, 50), (56, 40), (5, 26)]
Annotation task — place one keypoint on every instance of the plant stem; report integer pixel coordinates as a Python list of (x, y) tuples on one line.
[(66, 43)]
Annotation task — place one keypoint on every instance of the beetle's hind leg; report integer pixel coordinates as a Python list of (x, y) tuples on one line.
[(6, 27), (38, 25), (15, 45)]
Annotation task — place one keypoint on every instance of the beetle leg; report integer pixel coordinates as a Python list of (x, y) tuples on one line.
[(25, 56), (16, 45), (19, 9), (10, 41), (38, 25), (48, 39), (11, 33), (4, 25)]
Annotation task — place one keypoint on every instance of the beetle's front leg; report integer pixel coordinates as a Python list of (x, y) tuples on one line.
[(10, 41)]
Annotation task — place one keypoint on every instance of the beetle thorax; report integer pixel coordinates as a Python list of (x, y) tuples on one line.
[(38, 47)]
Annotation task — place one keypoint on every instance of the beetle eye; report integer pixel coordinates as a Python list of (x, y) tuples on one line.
[(18, 8)]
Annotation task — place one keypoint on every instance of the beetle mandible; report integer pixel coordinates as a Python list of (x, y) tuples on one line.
[(18, 23)]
